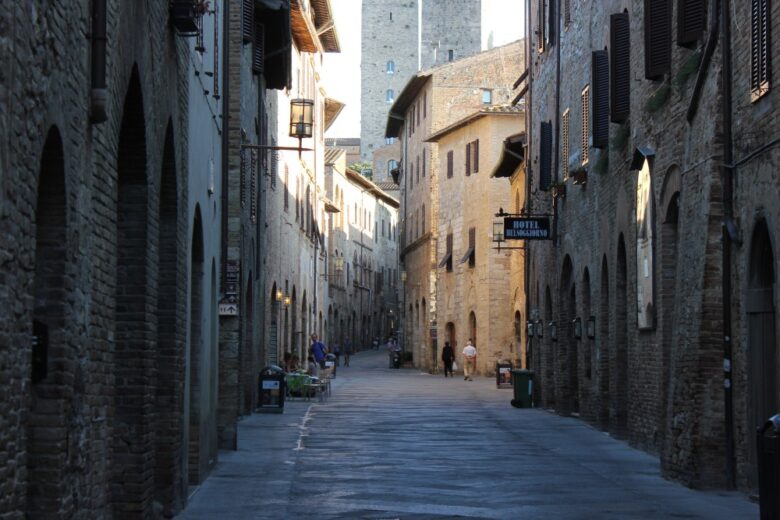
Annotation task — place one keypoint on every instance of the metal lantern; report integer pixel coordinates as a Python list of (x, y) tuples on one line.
[(539, 329), (553, 331), (591, 327), (287, 301), (338, 263), (301, 118), (279, 295), (577, 322), (498, 231), (403, 276), (530, 326)]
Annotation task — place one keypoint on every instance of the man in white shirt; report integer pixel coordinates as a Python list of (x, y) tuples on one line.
[(469, 360)]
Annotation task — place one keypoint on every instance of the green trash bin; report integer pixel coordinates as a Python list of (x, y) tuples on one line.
[(523, 384)]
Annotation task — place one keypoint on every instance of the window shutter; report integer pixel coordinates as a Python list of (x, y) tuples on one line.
[(540, 26), (449, 164), (476, 156), (600, 99), (472, 246), (545, 155), (691, 15), (567, 12), (585, 125), (658, 37), (565, 122), (423, 166), (248, 21), (552, 22), (253, 188), (259, 52), (759, 49), (468, 159), (620, 67)]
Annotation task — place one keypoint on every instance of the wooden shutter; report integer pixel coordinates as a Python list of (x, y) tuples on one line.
[(449, 164), (620, 67), (423, 166), (472, 246), (248, 21), (565, 124), (476, 155), (585, 125), (540, 26), (658, 37), (600, 71), (691, 16), (567, 12), (760, 58), (468, 159), (552, 21), (545, 155), (258, 57)]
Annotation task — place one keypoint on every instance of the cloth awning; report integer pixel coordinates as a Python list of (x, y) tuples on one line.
[(469, 252), (278, 43), (445, 259), (512, 156)]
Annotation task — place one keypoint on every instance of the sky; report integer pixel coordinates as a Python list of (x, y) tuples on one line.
[(341, 71)]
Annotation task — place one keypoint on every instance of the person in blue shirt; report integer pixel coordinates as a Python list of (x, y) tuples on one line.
[(318, 351)]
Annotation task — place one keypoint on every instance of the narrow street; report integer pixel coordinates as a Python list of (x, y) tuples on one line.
[(404, 444)]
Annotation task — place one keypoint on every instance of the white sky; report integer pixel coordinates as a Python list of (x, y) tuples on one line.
[(341, 72)]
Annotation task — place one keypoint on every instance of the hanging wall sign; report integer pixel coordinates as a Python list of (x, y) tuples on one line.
[(527, 228)]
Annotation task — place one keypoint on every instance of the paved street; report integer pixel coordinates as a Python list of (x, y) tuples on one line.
[(402, 444)]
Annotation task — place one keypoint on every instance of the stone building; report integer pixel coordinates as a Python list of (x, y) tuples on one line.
[(362, 257), (350, 145), (430, 101), (473, 288), (292, 204), (401, 37), (110, 245), (638, 134)]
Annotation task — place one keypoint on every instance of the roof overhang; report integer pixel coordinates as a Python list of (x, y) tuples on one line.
[(332, 110), (303, 30), (325, 26), (370, 187), (512, 156), (397, 113)]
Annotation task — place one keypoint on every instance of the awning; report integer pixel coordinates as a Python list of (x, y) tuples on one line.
[(469, 252), (512, 156), (278, 43), (445, 259), (332, 110)]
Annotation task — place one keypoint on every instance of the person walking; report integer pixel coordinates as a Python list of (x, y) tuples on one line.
[(347, 352), (318, 351), (447, 356), (469, 360)]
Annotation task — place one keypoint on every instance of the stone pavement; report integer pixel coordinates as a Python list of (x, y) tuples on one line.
[(401, 444)]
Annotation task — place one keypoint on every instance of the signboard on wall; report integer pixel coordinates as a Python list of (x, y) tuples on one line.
[(527, 228)]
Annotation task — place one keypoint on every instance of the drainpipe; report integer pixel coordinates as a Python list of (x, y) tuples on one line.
[(709, 49), (528, 175), (728, 215), (557, 163), (99, 93)]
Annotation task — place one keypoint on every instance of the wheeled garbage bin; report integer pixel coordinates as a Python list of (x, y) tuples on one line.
[(270, 390), (523, 383), (769, 468)]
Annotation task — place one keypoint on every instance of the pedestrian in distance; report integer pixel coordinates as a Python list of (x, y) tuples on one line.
[(447, 356), (318, 350), (313, 369), (337, 353), (469, 360), (347, 353)]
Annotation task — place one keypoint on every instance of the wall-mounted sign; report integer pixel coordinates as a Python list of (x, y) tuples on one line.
[(527, 228)]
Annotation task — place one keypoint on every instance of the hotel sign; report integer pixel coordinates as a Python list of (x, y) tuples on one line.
[(527, 228)]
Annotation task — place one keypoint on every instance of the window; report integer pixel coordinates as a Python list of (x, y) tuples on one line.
[(411, 176), (425, 105), (423, 164), (450, 55), (418, 168), (545, 155), (389, 95), (566, 13), (418, 111), (552, 23), (619, 67), (297, 198), (423, 218), (449, 252), (389, 140), (468, 159), (600, 73), (541, 37), (760, 55), (658, 38), (286, 188), (565, 143), (472, 157), (383, 228), (487, 96), (585, 124), (449, 164), (390, 68), (472, 257)]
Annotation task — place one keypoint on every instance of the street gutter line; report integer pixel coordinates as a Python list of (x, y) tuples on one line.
[(303, 429)]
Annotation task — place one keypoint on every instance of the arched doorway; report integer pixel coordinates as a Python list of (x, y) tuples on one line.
[(621, 343), (247, 357), (762, 337), (213, 369), (473, 328), (548, 382), (134, 334), (602, 349), (451, 337), (567, 343), (45, 484), (586, 344), (670, 238), (196, 466), (293, 340)]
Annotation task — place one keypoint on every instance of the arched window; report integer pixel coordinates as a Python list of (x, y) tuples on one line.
[(390, 67), (389, 95)]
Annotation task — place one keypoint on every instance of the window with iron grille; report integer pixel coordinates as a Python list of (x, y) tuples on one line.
[(658, 38), (565, 143), (585, 125), (449, 164), (760, 55), (619, 67)]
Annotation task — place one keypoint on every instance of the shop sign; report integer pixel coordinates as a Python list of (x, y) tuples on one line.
[(527, 228)]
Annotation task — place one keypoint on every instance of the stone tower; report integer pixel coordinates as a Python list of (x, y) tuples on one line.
[(395, 46)]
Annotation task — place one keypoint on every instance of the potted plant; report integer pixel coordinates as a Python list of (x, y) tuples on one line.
[(579, 176), (558, 189)]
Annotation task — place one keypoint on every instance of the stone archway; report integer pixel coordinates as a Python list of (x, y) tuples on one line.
[(49, 394), (762, 338), (670, 241), (586, 348), (620, 411), (196, 395), (548, 362), (566, 363), (603, 350)]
